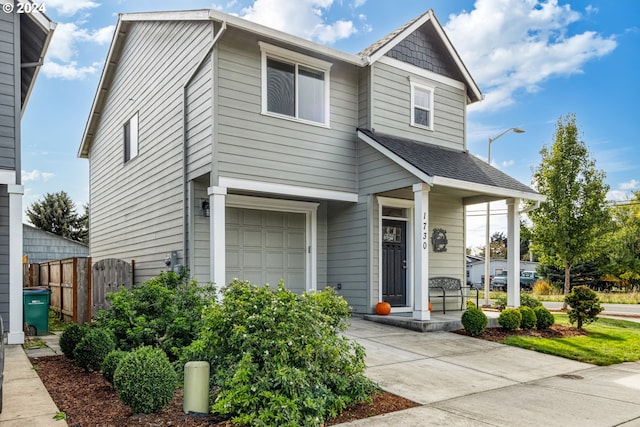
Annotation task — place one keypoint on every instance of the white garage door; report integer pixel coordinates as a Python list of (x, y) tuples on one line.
[(266, 247)]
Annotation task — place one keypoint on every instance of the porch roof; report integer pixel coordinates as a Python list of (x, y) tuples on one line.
[(438, 165)]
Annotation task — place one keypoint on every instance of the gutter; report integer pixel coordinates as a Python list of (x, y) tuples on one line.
[(185, 183)]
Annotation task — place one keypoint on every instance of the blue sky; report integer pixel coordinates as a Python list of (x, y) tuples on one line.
[(534, 61)]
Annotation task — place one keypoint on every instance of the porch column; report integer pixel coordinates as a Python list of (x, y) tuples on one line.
[(513, 253), (421, 252), (217, 222), (16, 334)]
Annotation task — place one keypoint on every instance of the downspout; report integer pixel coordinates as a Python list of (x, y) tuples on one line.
[(185, 183)]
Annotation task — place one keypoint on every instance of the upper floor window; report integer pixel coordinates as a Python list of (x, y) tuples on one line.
[(131, 138), (421, 106), (294, 85)]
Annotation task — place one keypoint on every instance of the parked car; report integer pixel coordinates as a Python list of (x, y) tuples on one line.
[(499, 281), (527, 279)]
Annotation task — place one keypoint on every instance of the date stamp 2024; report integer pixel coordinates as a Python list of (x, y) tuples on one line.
[(20, 7)]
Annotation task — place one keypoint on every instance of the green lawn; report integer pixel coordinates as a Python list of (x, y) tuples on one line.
[(608, 341)]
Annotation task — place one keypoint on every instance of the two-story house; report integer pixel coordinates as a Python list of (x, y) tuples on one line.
[(24, 38), (239, 151)]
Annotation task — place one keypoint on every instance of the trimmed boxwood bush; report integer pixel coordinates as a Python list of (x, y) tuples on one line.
[(110, 363), (544, 318), (145, 380), (474, 321), (527, 300), (510, 319), (93, 348), (529, 318), (70, 338)]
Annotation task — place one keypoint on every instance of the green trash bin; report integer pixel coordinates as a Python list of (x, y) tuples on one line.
[(36, 310)]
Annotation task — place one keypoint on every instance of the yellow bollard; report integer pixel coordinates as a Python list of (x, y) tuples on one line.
[(196, 387)]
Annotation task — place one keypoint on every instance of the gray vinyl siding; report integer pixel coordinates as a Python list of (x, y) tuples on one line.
[(9, 104), (137, 208), (378, 173), (199, 125), (392, 108), (40, 246), (257, 147), (364, 89), (4, 255), (348, 254), (200, 267)]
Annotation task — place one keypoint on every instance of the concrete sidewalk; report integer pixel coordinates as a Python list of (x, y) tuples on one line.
[(463, 381), (26, 401)]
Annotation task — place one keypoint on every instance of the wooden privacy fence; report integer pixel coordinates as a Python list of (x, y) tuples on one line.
[(78, 288)]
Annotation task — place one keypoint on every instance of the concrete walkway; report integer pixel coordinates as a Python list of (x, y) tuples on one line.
[(463, 381)]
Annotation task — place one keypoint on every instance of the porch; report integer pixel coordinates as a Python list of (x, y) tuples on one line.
[(438, 322)]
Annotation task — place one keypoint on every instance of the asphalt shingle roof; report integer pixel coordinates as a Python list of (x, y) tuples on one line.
[(443, 162)]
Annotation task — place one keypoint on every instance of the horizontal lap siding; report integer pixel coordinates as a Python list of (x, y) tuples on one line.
[(447, 213), (262, 148), (378, 173), (201, 237), (392, 108), (199, 121), (137, 208), (4, 255), (7, 92)]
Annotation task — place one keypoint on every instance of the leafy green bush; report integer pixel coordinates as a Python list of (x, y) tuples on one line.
[(585, 306), (500, 302), (474, 321), (110, 363), (162, 312), (145, 380), (279, 358), (529, 301), (544, 318), (70, 337), (510, 319), (93, 348), (529, 319)]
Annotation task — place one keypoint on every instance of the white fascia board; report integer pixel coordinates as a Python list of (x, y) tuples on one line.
[(487, 189), (421, 72), (397, 159), (285, 189), (264, 31), (179, 15), (398, 38)]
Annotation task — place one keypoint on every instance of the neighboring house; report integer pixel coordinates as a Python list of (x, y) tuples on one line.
[(475, 268), (24, 38), (240, 151), (41, 246)]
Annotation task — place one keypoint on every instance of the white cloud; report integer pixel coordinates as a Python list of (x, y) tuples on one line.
[(70, 7), (630, 185), (67, 35), (358, 3), (304, 18), (515, 45), (36, 175), (68, 71), (617, 196)]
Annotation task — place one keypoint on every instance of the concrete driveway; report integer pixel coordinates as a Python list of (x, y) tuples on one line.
[(463, 381)]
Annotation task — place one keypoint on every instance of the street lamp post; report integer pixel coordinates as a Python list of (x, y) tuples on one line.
[(487, 248)]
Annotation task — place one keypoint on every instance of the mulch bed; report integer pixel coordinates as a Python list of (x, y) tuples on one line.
[(499, 334)]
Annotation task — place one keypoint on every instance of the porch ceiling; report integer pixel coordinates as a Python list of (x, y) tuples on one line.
[(462, 174)]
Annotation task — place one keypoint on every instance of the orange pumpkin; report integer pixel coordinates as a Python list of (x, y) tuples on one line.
[(430, 306), (383, 308)]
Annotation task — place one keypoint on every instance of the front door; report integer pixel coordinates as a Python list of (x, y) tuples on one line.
[(394, 262)]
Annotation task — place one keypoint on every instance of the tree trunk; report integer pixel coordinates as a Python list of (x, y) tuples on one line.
[(567, 283)]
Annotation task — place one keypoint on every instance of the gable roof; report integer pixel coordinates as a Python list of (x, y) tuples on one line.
[(381, 47), (363, 59), (438, 165)]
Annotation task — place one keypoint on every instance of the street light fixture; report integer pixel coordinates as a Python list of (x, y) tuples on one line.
[(487, 248)]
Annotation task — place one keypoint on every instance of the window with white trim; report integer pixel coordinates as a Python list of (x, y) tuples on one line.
[(421, 106), (294, 86), (131, 138)]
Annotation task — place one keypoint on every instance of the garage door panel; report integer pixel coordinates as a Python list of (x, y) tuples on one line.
[(232, 235), (233, 259), (275, 239), (294, 259), (252, 217), (252, 238), (295, 240), (275, 219), (296, 221), (251, 259), (276, 260)]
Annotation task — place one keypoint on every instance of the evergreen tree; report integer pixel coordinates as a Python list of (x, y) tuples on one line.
[(56, 213), (568, 224)]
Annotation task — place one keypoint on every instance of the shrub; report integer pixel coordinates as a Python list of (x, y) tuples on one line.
[(144, 380), (70, 337), (474, 321), (500, 302), (162, 312), (529, 319), (543, 287), (110, 363), (470, 303), (279, 358), (529, 301), (544, 318), (585, 306), (510, 319), (93, 348)]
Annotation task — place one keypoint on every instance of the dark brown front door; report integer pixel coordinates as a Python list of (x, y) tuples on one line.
[(394, 262)]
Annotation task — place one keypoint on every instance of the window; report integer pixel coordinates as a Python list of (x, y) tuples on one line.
[(421, 106), (131, 138), (294, 85)]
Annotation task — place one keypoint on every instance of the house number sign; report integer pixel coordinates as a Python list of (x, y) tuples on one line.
[(439, 240), (425, 241)]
